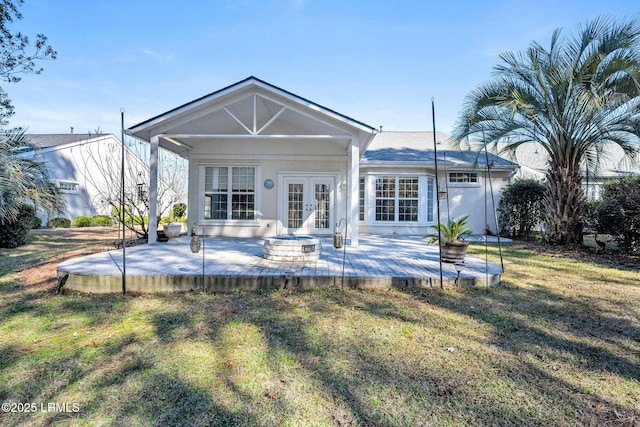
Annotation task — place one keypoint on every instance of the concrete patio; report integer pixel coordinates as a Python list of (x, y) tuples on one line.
[(227, 265)]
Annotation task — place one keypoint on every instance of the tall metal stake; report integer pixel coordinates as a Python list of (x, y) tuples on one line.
[(493, 200), (204, 248), (122, 210), (435, 155)]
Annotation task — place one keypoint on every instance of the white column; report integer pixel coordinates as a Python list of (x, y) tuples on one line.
[(153, 190), (353, 177)]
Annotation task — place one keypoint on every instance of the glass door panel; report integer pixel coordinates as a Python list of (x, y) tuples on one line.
[(295, 208), (308, 205), (322, 214)]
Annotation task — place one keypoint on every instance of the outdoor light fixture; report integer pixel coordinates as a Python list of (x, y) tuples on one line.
[(459, 267), (142, 190)]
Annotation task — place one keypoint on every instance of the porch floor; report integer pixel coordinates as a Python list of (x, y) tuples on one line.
[(231, 264)]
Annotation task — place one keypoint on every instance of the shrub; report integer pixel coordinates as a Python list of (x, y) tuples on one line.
[(591, 216), (58, 223), (520, 208), (115, 213), (178, 210), (36, 223), (619, 213), (14, 233), (170, 219), (102, 220), (82, 221)]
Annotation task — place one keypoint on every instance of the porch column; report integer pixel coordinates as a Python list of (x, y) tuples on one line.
[(153, 190), (353, 177)]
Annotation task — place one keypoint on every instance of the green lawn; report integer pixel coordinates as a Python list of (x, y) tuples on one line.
[(557, 343)]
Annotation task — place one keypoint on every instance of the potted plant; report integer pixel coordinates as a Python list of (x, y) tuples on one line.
[(172, 230), (452, 237)]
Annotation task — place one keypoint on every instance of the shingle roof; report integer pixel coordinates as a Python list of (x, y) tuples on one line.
[(418, 147), (54, 140)]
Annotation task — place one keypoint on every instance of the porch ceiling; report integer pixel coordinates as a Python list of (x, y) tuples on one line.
[(250, 110)]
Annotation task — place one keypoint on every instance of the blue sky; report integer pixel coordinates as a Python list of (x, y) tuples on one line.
[(379, 62)]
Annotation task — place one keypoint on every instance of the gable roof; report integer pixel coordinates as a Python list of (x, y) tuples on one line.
[(250, 109), (408, 147), (248, 80)]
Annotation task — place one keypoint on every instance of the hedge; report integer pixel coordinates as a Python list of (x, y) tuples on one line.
[(102, 220), (59, 223), (82, 221)]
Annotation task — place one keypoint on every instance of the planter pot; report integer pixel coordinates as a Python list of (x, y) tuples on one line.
[(454, 251), (172, 231)]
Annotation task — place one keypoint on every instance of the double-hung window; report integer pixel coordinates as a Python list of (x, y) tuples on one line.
[(229, 192), (397, 198)]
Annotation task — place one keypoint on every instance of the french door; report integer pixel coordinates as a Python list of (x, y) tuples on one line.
[(308, 205)]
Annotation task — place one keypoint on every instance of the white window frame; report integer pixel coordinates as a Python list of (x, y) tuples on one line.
[(229, 221), (396, 199), (468, 183), (362, 198), (61, 183)]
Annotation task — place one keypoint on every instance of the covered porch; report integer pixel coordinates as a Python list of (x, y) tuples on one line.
[(262, 162)]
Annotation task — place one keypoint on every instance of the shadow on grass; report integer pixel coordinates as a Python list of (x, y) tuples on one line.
[(538, 324), (337, 342)]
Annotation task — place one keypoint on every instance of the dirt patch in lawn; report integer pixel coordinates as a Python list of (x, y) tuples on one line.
[(56, 245), (43, 274)]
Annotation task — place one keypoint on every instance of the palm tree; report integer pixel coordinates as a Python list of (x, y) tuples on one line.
[(23, 179), (574, 100)]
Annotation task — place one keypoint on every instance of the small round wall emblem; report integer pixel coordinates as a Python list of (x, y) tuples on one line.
[(268, 184)]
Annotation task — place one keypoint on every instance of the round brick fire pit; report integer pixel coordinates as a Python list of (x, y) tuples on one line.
[(292, 248)]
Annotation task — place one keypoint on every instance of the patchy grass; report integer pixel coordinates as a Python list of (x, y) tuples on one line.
[(557, 343), (44, 244)]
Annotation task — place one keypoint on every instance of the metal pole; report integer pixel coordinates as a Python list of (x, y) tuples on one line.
[(435, 155), (122, 210), (486, 226), (203, 251), (493, 202)]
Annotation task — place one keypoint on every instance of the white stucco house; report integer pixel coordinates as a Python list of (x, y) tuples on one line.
[(86, 170), (264, 161), (613, 165)]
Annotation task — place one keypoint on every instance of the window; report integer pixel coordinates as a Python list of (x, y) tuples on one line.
[(223, 201), (385, 198), (68, 186), (397, 198), (463, 177)]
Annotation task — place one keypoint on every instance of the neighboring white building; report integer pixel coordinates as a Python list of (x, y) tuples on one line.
[(613, 165), (265, 162), (86, 170)]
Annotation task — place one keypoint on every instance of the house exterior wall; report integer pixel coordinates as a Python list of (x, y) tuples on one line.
[(63, 167), (273, 160), (93, 168), (254, 131), (475, 200), (463, 199)]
